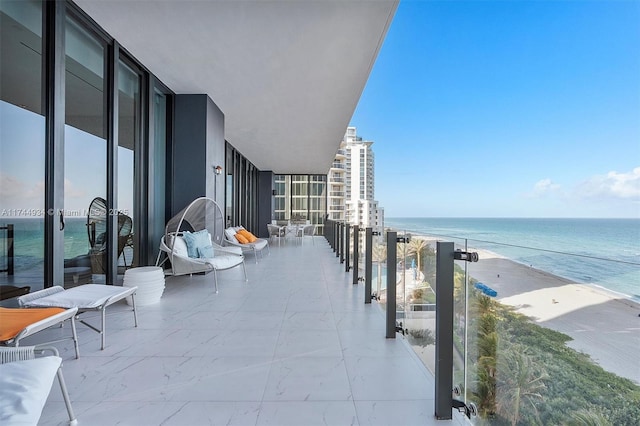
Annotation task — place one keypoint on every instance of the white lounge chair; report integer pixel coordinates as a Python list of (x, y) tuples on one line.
[(202, 217), (18, 323), (87, 297), (181, 264), (25, 383), (254, 247)]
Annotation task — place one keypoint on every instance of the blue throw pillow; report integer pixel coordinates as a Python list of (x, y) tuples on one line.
[(195, 240), (205, 252)]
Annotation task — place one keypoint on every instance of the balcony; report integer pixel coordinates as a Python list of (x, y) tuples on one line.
[(294, 345)]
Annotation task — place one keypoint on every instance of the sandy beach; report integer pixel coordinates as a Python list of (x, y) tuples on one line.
[(603, 324)]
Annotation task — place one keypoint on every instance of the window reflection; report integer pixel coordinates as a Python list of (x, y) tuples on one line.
[(128, 140), (22, 145), (85, 158)]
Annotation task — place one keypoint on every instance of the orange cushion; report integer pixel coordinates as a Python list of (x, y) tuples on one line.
[(248, 235), (14, 320), (241, 238)]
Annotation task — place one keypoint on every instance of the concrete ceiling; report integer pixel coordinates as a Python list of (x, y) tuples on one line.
[(286, 74)]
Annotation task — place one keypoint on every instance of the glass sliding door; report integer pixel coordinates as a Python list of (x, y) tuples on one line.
[(229, 188), (129, 112), (22, 145), (85, 157), (157, 174)]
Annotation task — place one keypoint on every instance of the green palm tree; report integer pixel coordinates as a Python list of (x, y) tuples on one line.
[(520, 383), (415, 247)]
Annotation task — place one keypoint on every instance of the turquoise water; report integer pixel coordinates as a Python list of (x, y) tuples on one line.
[(28, 242), (604, 252)]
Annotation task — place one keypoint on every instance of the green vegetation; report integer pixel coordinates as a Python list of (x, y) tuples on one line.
[(526, 374)]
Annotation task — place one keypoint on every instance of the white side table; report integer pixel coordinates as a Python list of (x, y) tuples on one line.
[(150, 283)]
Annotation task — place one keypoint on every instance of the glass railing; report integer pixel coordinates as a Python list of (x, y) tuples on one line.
[(539, 336), (420, 285), (532, 346)]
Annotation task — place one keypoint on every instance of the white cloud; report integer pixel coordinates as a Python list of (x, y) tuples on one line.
[(10, 186), (544, 187), (612, 185), (72, 191), (18, 194)]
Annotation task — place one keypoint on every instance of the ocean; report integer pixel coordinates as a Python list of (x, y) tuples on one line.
[(601, 252), (28, 242)]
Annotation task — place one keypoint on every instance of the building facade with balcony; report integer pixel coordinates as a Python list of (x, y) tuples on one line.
[(352, 184)]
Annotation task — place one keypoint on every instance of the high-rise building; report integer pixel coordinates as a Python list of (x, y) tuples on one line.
[(351, 184)]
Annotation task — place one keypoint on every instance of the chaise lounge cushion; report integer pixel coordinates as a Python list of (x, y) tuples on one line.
[(14, 320), (87, 296), (24, 389)]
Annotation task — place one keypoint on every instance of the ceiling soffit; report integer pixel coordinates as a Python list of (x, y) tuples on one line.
[(286, 74)]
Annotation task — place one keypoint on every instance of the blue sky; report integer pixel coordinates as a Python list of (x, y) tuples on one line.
[(507, 109)]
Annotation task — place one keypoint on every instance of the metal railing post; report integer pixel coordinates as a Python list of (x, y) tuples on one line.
[(325, 231), (347, 247), (368, 269), (356, 247), (10, 253), (341, 242), (338, 238), (392, 238), (444, 330)]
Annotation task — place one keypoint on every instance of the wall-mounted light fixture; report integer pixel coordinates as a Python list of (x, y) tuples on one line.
[(217, 170)]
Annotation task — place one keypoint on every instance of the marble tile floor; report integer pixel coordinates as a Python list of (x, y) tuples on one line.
[(295, 345)]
